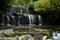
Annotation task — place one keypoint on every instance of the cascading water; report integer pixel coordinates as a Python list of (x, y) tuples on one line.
[(13, 20), (21, 10), (27, 9), (20, 13), (40, 22), (3, 19), (14, 17), (8, 21), (19, 20), (13, 9), (31, 17), (31, 20)]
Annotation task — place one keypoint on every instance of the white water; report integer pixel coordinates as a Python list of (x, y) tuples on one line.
[(3, 20), (8, 21), (40, 21)]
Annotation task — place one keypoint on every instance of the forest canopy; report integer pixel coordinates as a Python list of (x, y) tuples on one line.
[(45, 5), (48, 9), (39, 5)]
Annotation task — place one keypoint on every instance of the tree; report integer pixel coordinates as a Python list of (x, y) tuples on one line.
[(45, 5), (6, 4), (42, 5), (49, 9)]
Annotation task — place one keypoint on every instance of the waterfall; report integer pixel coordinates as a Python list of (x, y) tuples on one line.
[(8, 21), (3, 19), (40, 22), (13, 9), (31, 20), (18, 20), (13, 20), (31, 17), (21, 10), (27, 9)]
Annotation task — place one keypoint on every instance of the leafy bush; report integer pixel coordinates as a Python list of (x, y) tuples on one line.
[(46, 32)]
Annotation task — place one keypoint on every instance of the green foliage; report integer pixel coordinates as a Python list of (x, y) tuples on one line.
[(46, 32), (56, 2), (6, 4), (22, 33), (31, 4), (10, 35), (50, 10), (39, 5), (45, 5), (42, 5), (14, 34)]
